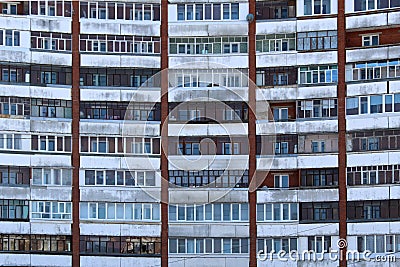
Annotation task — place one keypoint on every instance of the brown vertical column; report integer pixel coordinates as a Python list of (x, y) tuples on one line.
[(164, 132), (341, 94), (76, 62), (252, 195)]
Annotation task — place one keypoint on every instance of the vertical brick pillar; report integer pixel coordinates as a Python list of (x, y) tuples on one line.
[(341, 94), (252, 194), (164, 133), (75, 95)]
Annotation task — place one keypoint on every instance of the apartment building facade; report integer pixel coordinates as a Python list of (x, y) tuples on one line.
[(199, 133)]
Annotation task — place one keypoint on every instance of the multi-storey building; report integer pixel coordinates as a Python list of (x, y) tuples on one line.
[(275, 123)]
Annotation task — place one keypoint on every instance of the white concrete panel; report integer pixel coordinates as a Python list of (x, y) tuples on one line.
[(320, 24), (277, 93), (51, 193), (371, 88), (140, 261), (269, 162), (225, 162), (22, 228), (51, 260), (393, 18), (99, 261), (21, 23), (49, 160), (394, 191), (226, 260), (151, 95), (18, 125), (231, 61), (100, 228), (13, 260), (96, 162), (140, 163), (94, 26), (365, 21), (231, 129), (368, 193), (394, 86), (14, 54), (363, 122), (324, 161), (51, 125), (121, 194), (367, 159), (208, 94), (367, 54), (14, 192), (138, 61), (48, 227), (275, 195), (48, 58), (271, 128), (141, 230), (102, 127), (51, 24), (317, 126), (51, 91), (368, 228), (142, 94), (14, 90), (229, 196), (312, 195), (394, 52), (317, 58), (217, 28), (278, 229), (324, 91), (100, 60), (140, 28), (15, 159), (100, 94), (276, 27), (276, 59), (314, 229), (394, 157)]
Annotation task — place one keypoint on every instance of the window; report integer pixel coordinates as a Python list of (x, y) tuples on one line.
[(281, 148), (281, 181), (376, 243), (369, 177), (231, 149), (371, 143), (276, 42), (371, 212), (42, 176), (120, 178), (119, 211), (370, 104), (9, 9), (208, 245), (112, 245), (209, 212), (9, 37), (277, 212), (51, 108), (279, 76), (36, 243), (212, 178), (318, 74), (319, 211), (14, 106), (208, 45), (374, 70), (364, 5), (14, 209), (370, 40), (317, 108), (51, 210), (321, 40), (275, 9), (318, 146), (317, 7), (321, 177), (319, 244), (14, 176), (230, 11), (51, 41), (280, 114), (51, 143), (275, 245), (10, 141)]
